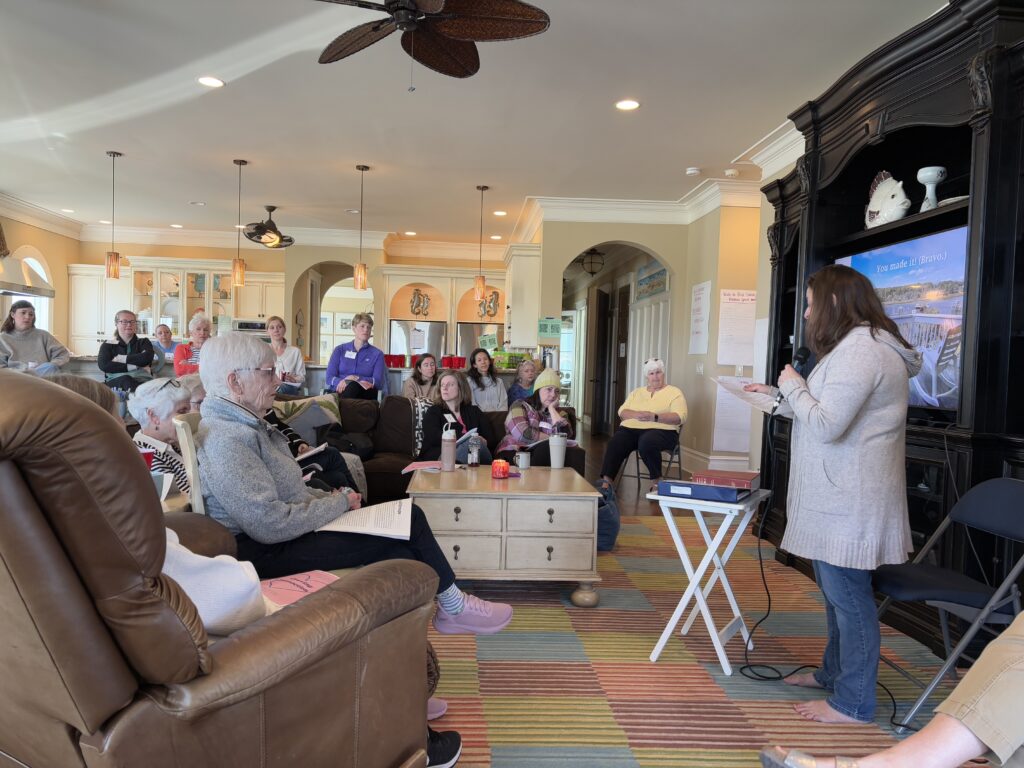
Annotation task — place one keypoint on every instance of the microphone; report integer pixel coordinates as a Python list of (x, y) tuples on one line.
[(799, 361)]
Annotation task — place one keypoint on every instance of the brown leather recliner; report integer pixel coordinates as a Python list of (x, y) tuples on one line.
[(104, 662)]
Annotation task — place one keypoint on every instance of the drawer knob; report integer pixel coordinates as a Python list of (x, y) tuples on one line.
[(457, 511), (551, 516), (456, 549), (550, 550)]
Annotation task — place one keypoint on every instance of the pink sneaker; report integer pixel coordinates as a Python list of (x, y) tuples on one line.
[(436, 708), (479, 617)]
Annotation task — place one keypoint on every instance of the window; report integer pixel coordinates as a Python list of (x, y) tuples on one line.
[(44, 309)]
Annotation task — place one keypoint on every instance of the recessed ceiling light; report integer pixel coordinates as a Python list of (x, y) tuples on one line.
[(495, 237), (176, 226), (501, 213), (351, 210), (627, 105), (410, 234), (67, 210), (731, 173), (693, 171), (210, 82), (104, 221), (196, 202)]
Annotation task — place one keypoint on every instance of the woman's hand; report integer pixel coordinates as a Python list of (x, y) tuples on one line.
[(355, 500), (789, 374), (303, 448), (764, 389)]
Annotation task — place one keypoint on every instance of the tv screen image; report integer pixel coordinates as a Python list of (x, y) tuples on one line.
[(921, 285)]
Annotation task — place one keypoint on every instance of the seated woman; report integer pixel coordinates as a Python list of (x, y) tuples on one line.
[(22, 345), (163, 348), (290, 365), (487, 389), (452, 409), (651, 419), (127, 359), (533, 420), (356, 368), (522, 387), (154, 405), (979, 718), (186, 356), (330, 472), (423, 382), (253, 486)]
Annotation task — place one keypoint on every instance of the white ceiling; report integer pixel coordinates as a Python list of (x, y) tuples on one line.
[(79, 77)]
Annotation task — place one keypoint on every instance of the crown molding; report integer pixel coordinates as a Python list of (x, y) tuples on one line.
[(26, 213), (531, 216), (206, 238), (720, 193), (533, 250), (427, 272), (776, 151), (440, 251), (593, 210)]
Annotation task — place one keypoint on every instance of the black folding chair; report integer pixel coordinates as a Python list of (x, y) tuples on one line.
[(995, 507)]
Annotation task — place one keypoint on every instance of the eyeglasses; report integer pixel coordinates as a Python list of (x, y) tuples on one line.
[(169, 383), (127, 322), (267, 369), (652, 360)]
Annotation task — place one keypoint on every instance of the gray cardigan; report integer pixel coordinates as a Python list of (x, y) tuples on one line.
[(251, 483), (847, 499)]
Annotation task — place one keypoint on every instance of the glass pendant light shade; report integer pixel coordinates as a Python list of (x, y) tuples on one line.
[(359, 277), (238, 273), (238, 263), (480, 282), (113, 257), (359, 274), (113, 265), (479, 288)]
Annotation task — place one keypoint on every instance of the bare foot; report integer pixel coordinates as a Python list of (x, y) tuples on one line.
[(805, 680), (820, 712)]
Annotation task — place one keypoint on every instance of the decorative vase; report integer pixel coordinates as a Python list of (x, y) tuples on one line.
[(931, 176)]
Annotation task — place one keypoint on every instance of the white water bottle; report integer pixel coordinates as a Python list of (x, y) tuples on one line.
[(448, 450), (473, 455)]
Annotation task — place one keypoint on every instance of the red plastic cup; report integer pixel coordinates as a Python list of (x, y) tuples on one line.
[(147, 456)]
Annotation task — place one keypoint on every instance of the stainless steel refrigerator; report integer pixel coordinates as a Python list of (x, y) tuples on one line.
[(415, 337), (469, 336)]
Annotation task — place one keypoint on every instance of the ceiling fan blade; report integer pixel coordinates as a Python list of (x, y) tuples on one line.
[(455, 58), (356, 39), (487, 20), (359, 4), (430, 6)]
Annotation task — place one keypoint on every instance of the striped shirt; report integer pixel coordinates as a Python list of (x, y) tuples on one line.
[(166, 459)]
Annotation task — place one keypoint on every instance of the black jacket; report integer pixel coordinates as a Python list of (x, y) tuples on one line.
[(434, 421), (139, 352)]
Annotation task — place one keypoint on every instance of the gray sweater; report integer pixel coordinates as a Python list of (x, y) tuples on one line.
[(251, 483), (847, 499), (32, 346)]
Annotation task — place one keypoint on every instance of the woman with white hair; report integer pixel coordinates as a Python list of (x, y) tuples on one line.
[(651, 419), (154, 405), (186, 356), (253, 486)]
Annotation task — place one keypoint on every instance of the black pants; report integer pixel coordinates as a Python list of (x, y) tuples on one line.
[(126, 382), (333, 470), (648, 442), (330, 551), (355, 390)]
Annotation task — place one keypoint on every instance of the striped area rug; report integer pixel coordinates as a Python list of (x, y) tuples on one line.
[(566, 686)]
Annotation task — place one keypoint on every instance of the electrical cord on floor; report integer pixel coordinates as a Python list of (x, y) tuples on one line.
[(772, 673)]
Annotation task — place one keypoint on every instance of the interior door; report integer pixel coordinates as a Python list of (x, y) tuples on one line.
[(597, 361), (619, 352)]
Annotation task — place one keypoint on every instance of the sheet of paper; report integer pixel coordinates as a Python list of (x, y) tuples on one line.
[(417, 339), (764, 403), (732, 418), (390, 519), (760, 348), (736, 311), (700, 310)]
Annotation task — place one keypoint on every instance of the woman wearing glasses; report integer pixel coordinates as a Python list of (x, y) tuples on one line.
[(126, 360), (154, 405), (651, 419), (253, 486)]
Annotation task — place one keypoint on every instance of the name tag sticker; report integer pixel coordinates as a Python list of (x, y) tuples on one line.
[(449, 418), (169, 357), (350, 355)]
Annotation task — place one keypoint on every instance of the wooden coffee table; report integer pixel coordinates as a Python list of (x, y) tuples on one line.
[(541, 526)]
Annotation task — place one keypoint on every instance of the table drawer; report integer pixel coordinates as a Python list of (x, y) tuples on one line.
[(543, 553), (457, 513), (471, 553), (551, 515)]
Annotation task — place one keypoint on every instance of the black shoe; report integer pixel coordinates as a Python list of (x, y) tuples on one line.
[(443, 748)]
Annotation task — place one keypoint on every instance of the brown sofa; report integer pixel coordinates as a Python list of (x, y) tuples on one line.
[(105, 661), (390, 426)]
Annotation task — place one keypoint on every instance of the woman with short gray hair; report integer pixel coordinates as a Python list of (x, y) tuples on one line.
[(253, 486), (186, 356), (154, 405)]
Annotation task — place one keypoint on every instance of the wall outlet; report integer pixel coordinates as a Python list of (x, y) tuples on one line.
[(739, 371), (700, 369)]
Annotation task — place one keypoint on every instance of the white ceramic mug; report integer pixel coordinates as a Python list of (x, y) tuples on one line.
[(556, 446), (522, 459)]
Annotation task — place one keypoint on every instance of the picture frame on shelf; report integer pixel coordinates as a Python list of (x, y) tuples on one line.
[(343, 323), (326, 348)]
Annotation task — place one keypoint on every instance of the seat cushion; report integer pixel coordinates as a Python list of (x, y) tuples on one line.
[(384, 478), (925, 582)]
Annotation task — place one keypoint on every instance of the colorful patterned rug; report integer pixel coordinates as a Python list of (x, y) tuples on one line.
[(567, 686)]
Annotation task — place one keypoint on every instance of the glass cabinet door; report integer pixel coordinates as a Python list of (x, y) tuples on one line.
[(221, 305), (169, 299), (142, 302), (196, 291)]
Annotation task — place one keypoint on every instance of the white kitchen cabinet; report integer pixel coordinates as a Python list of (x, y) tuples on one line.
[(94, 300), (260, 298)]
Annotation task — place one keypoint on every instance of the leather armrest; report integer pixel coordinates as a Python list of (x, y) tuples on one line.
[(201, 534), (259, 656)]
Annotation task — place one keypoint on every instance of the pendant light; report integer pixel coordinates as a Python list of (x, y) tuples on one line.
[(480, 282), (359, 274), (238, 263), (113, 257)]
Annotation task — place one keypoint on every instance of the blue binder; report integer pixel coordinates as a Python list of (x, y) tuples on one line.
[(683, 490)]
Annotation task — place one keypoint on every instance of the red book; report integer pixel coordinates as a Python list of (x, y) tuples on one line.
[(728, 479)]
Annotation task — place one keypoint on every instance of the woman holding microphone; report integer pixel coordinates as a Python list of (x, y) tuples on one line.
[(847, 502)]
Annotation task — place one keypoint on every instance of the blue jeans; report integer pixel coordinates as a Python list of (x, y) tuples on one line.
[(289, 389), (849, 668)]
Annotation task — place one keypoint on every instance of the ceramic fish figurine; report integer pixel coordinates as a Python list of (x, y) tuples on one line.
[(887, 202)]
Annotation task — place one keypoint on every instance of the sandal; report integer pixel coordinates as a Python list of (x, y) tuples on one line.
[(774, 757)]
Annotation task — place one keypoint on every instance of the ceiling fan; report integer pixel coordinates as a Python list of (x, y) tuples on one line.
[(266, 232), (440, 34)]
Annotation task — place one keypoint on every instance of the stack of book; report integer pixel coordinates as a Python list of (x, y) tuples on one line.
[(713, 485)]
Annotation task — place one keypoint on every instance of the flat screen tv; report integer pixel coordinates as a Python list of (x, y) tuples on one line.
[(921, 285)]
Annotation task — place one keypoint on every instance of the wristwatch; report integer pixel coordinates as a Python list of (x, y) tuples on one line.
[(655, 417)]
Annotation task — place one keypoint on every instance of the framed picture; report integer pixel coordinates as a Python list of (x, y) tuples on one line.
[(326, 322), (343, 322), (651, 280), (326, 348)]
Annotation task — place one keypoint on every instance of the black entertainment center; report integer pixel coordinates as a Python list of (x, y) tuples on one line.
[(949, 93)]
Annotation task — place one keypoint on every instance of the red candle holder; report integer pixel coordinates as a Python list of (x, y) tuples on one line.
[(499, 469)]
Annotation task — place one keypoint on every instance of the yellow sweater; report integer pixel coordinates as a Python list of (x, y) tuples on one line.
[(667, 398)]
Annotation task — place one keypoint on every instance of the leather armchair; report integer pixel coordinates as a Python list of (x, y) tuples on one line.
[(104, 662)]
